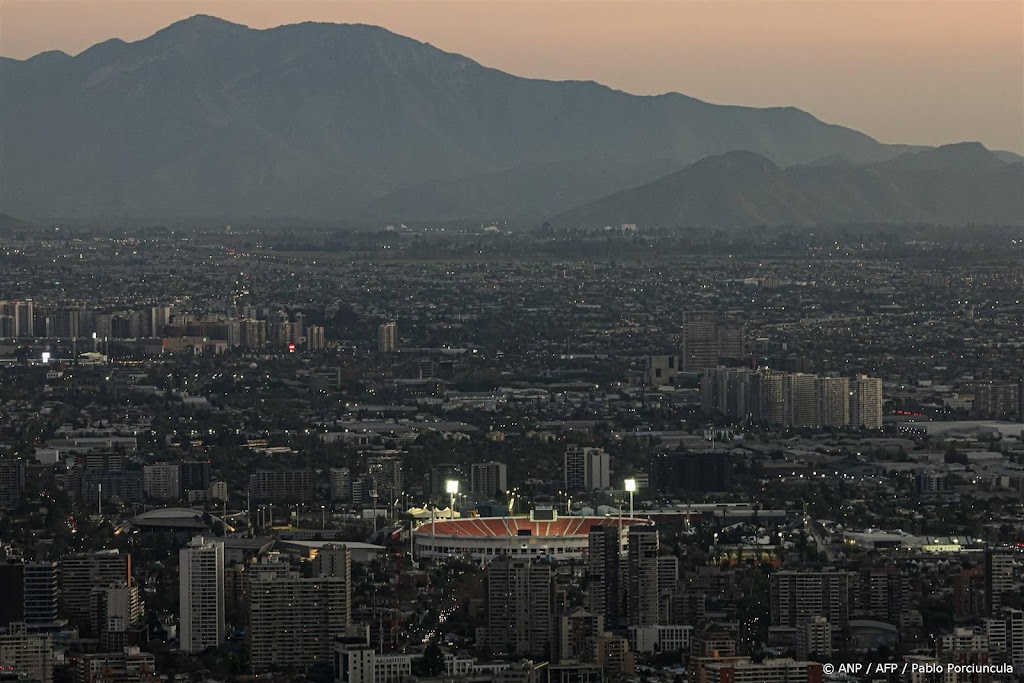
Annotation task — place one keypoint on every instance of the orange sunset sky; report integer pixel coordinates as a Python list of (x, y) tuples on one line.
[(911, 71)]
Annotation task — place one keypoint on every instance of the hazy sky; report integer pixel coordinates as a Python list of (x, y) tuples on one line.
[(911, 71)]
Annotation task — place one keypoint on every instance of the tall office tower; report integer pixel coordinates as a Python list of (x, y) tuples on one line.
[(162, 481), (488, 479), (81, 572), (293, 621), (834, 394), (520, 607), (603, 552), (668, 585), (800, 400), (700, 341), (12, 482), (315, 339), (194, 475), (340, 480), (642, 576), (40, 594), (866, 402), (796, 597), (387, 338), (201, 594), (26, 654), (883, 593), (999, 577), (586, 468), (281, 485)]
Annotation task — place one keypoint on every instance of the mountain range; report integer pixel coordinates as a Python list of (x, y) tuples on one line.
[(954, 185), (208, 120)]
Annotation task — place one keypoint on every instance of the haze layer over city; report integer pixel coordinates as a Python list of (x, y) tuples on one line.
[(501, 342)]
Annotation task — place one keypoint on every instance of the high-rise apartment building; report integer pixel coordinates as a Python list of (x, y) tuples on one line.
[(161, 481), (81, 572), (12, 482), (604, 547), (1000, 580), (387, 338), (520, 607), (834, 394), (796, 597), (116, 612), (866, 402), (800, 400), (642, 595), (586, 468), (883, 593), (201, 594), (315, 339), (293, 621), (340, 480), (706, 338), (335, 561), (488, 478)]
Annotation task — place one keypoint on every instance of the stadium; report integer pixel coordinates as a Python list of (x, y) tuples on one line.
[(542, 534)]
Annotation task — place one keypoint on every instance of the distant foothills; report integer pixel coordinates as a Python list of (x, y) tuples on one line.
[(209, 121)]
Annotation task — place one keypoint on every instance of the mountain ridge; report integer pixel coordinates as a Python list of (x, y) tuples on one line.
[(743, 189), (211, 118)]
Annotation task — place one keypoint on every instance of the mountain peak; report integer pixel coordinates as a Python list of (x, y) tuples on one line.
[(961, 154), (196, 26)]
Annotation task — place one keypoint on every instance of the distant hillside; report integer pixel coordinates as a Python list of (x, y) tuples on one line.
[(315, 121), (524, 192), (954, 185)]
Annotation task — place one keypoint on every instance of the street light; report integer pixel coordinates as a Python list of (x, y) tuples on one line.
[(452, 487), (323, 517), (631, 488)]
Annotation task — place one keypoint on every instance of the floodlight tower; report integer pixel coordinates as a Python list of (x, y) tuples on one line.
[(631, 489), (452, 487)]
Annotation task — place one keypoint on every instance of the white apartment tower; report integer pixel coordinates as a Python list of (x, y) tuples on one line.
[(387, 338), (866, 402), (201, 590)]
